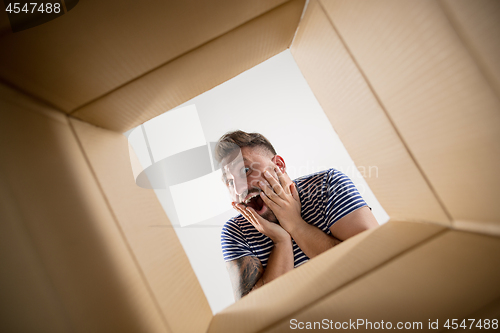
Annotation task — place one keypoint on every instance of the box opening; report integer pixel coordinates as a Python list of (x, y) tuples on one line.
[(273, 99)]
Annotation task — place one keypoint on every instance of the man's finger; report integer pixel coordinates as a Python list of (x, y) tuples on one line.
[(269, 203), (238, 207), (295, 193), (242, 210), (255, 219), (235, 206), (282, 180), (254, 214), (269, 193), (275, 185)]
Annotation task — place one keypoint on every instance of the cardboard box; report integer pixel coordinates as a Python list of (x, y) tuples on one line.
[(410, 86)]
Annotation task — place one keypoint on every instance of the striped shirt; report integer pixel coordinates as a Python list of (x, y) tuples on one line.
[(325, 197)]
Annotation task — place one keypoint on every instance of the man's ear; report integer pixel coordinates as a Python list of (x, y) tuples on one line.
[(280, 162)]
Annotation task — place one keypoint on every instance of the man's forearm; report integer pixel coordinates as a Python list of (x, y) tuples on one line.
[(280, 261), (312, 240)]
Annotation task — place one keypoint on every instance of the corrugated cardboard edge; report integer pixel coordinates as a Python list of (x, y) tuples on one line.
[(100, 46), (322, 276), (158, 252), (81, 258), (195, 72), (451, 275), (361, 122), (439, 101)]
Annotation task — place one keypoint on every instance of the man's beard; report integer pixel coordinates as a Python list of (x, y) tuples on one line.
[(269, 215)]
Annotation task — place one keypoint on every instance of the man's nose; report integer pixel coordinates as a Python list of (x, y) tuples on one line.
[(241, 186)]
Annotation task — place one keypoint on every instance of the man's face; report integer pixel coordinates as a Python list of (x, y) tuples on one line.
[(242, 172)]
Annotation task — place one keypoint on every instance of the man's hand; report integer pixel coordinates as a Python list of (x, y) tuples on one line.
[(270, 229), (246, 273), (283, 200)]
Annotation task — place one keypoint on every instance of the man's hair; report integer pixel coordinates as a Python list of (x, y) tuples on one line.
[(231, 141)]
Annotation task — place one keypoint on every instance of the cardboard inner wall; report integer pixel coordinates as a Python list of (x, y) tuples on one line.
[(418, 286), (283, 299), (195, 72), (136, 61), (477, 25), (361, 122), (78, 246), (65, 264), (402, 271), (145, 226), (405, 93), (101, 45)]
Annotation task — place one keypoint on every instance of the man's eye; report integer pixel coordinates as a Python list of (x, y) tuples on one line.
[(245, 170), (229, 182)]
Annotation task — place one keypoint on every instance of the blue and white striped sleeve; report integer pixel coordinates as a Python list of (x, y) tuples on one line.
[(343, 197), (234, 245)]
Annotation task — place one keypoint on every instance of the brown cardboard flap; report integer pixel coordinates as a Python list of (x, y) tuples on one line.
[(360, 121), (478, 25), (306, 285), (485, 227), (434, 91), (195, 72), (65, 265), (32, 305), (147, 230), (453, 275), (99, 46)]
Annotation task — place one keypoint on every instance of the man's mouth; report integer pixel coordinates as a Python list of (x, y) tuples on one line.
[(255, 201)]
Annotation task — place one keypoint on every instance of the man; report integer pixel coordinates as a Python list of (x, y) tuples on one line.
[(283, 223)]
